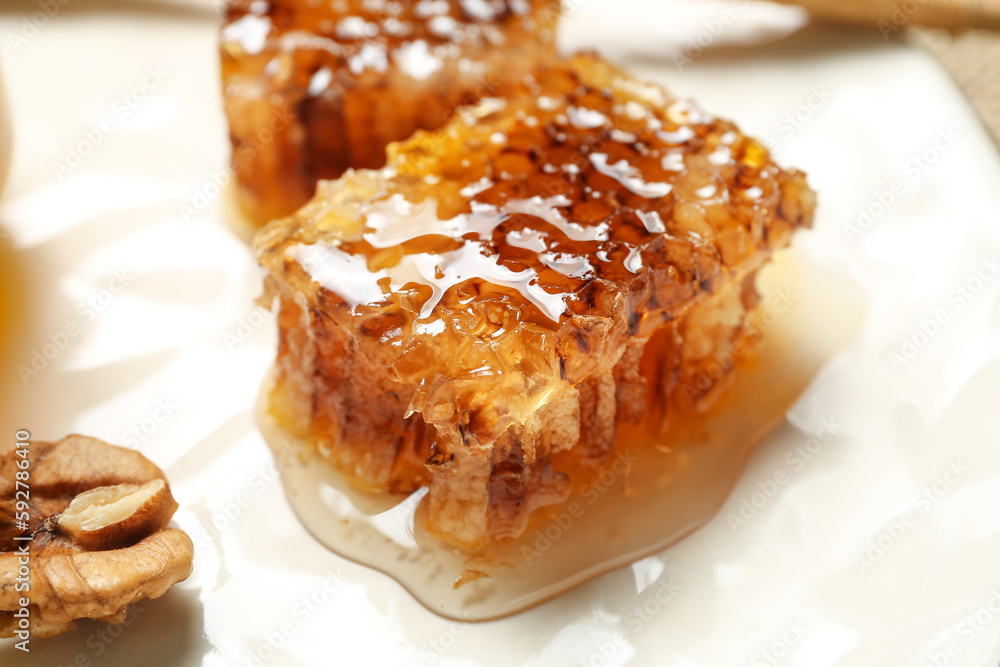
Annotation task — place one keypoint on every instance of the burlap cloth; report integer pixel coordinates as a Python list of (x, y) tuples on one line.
[(973, 59), (963, 34)]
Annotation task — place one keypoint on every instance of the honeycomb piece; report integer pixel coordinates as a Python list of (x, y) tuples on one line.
[(313, 88), (485, 313)]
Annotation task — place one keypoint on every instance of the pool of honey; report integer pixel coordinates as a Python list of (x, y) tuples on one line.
[(14, 323), (9, 299), (655, 490)]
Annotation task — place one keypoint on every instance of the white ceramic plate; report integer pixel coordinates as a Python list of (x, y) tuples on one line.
[(878, 546)]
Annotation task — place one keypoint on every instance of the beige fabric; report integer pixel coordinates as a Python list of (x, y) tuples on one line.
[(973, 59)]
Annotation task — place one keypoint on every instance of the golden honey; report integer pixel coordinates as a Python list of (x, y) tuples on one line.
[(516, 296), (314, 88)]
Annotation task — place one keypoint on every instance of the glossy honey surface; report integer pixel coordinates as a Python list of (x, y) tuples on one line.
[(491, 308), (312, 89), (587, 195)]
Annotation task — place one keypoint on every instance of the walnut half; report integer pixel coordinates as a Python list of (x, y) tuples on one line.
[(97, 516)]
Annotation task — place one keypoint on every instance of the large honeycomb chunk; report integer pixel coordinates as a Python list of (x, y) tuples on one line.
[(486, 313), (313, 88)]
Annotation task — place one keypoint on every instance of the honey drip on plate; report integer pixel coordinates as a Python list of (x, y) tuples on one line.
[(653, 490)]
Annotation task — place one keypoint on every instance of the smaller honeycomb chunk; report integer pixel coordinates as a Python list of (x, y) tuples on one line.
[(314, 88)]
